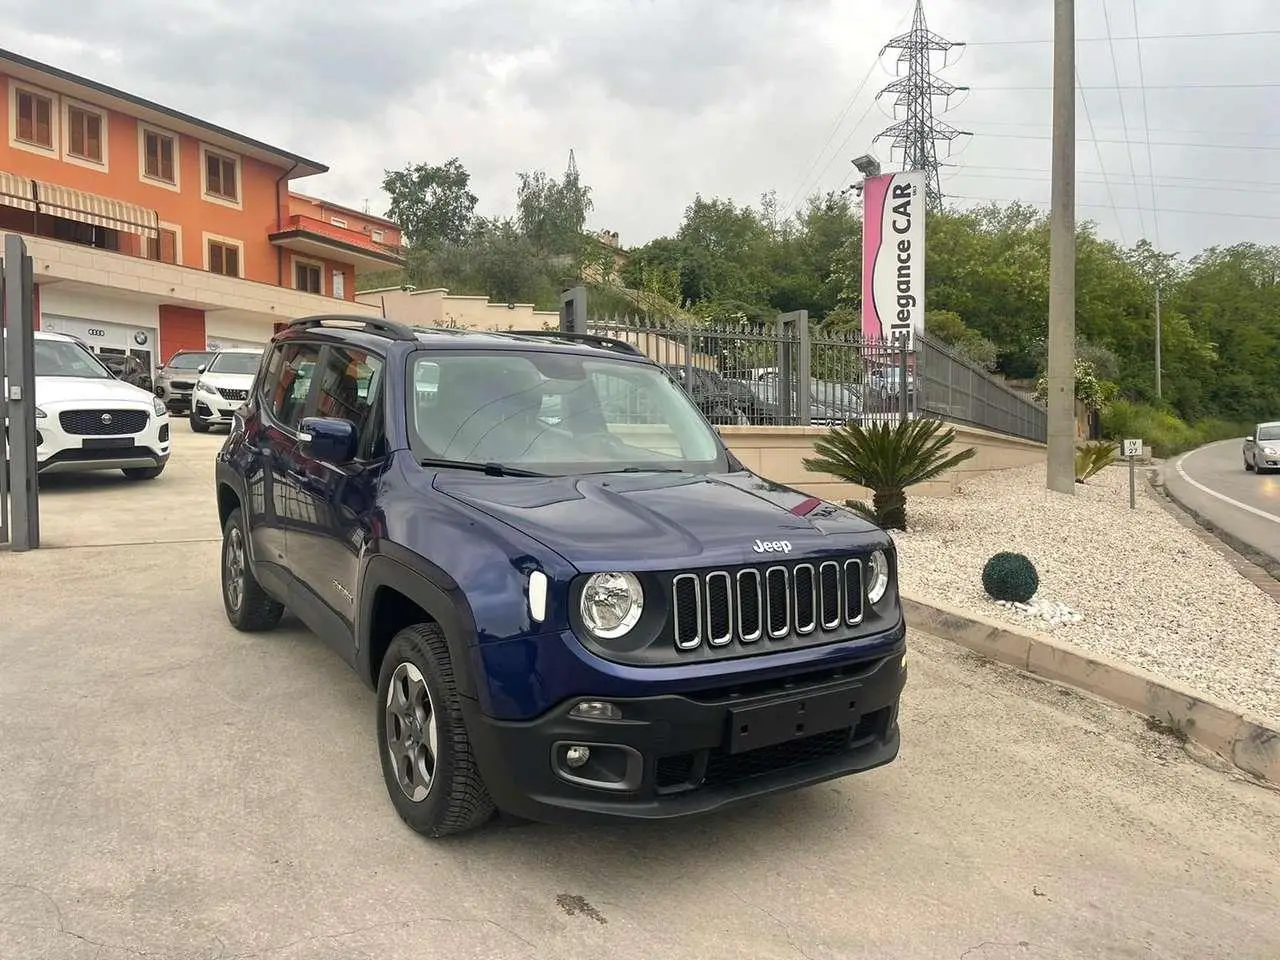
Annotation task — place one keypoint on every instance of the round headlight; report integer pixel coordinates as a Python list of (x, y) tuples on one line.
[(877, 576), (158, 406), (611, 604)]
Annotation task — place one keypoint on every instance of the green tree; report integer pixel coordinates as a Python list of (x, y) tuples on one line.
[(432, 204), (551, 213)]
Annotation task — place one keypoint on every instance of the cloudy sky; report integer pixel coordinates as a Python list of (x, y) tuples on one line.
[(661, 99)]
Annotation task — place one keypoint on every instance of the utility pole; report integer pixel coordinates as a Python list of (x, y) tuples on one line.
[(1062, 256), (1158, 393)]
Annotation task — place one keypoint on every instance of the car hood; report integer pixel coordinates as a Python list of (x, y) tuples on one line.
[(229, 381), (663, 521), (88, 390)]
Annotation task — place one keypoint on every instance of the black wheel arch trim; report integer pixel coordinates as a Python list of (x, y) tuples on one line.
[(432, 589)]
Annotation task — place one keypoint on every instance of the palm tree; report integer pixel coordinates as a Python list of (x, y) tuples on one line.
[(886, 459)]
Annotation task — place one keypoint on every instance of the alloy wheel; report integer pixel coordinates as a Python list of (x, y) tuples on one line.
[(412, 736), (235, 569)]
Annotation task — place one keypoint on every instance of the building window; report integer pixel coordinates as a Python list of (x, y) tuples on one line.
[(377, 236), (306, 277), (220, 177), (35, 119), (224, 258), (158, 154), (339, 288), (164, 247), (84, 134), (337, 221)]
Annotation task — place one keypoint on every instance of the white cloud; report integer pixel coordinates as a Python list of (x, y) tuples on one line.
[(662, 99)]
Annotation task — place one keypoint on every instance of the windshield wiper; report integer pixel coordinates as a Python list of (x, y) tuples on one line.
[(490, 469)]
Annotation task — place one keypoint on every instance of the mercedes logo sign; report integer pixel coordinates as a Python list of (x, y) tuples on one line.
[(106, 419)]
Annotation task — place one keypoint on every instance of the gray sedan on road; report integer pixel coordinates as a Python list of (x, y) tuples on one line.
[(1262, 449)]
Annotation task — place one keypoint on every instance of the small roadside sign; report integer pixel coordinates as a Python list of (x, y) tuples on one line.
[(1131, 449)]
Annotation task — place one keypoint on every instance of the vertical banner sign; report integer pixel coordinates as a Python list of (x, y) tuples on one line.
[(893, 208)]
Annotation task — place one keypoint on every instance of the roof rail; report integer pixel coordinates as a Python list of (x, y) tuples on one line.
[(388, 328), (589, 338)]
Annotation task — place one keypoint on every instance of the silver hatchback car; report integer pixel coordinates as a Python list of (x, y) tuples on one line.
[(1262, 448)]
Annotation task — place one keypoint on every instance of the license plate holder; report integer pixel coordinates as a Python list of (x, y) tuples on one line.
[(106, 443), (803, 715)]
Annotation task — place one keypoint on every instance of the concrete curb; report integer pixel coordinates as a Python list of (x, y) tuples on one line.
[(1245, 741)]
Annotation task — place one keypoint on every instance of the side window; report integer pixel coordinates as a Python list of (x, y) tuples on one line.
[(348, 390), (287, 382)]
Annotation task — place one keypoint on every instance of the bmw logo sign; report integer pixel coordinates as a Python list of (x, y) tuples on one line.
[(140, 338)]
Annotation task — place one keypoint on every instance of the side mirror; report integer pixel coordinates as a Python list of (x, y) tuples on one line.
[(1248, 439), (327, 440), (202, 368)]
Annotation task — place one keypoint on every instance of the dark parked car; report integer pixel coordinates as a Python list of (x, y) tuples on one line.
[(565, 617)]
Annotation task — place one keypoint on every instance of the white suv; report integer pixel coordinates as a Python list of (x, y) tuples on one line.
[(86, 419), (222, 387)]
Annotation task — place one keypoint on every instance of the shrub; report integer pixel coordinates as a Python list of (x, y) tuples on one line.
[(1010, 577), (1167, 434), (886, 459), (1093, 457)]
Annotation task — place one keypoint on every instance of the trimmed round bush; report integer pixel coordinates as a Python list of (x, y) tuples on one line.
[(1010, 577)]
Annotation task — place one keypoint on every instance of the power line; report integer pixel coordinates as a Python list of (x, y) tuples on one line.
[(1041, 170), (1153, 143), (1206, 133), (1102, 166), (1155, 209), (1124, 122), (1136, 36), (967, 172), (1157, 86), (1103, 206), (835, 128)]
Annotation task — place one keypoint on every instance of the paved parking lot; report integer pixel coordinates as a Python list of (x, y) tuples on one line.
[(173, 789)]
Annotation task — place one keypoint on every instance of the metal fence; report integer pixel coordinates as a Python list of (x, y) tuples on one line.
[(786, 373)]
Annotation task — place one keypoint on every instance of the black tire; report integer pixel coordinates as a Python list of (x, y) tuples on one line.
[(198, 425), (454, 798), (256, 610), (143, 473), (1247, 466)]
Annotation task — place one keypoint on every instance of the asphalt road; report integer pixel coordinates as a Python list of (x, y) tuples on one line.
[(1212, 482), (173, 790)]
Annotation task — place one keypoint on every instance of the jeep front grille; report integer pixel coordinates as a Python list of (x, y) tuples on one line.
[(103, 423), (231, 394), (774, 602)]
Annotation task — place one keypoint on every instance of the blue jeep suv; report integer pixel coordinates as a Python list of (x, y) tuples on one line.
[(574, 602)]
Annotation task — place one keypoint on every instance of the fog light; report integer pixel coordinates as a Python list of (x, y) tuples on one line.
[(577, 756), (596, 710)]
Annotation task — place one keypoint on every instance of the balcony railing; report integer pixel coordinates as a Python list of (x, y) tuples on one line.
[(355, 238)]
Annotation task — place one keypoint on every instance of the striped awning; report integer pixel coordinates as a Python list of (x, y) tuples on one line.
[(84, 207), (15, 191)]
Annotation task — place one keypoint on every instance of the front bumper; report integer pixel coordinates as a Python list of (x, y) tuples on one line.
[(60, 450), (215, 408), (679, 755)]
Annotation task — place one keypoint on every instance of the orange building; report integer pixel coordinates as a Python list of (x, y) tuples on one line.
[(152, 231)]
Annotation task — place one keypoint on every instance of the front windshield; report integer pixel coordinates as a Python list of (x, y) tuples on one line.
[(554, 413), (66, 358), (1269, 433), (235, 363), (189, 361)]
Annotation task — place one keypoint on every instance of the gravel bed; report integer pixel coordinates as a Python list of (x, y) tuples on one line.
[(1131, 584)]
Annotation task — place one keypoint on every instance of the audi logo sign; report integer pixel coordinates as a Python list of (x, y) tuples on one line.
[(96, 332)]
